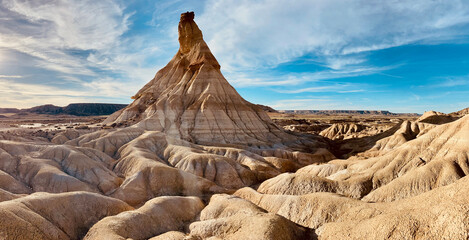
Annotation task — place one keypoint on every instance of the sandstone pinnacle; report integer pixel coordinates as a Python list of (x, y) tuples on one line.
[(190, 99)]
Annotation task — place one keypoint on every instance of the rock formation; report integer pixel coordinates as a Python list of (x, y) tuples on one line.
[(434, 159), (55, 216), (461, 113), (339, 131), (190, 99), (436, 117), (157, 216), (229, 217), (438, 214)]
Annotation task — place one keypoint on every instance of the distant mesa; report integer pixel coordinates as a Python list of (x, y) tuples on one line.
[(76, 109), (9, 110)]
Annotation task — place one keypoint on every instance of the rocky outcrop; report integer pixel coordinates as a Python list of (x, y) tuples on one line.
[(229, 217), (438, 214), (157, 216), (340, 112), (366, 146), (341, 130), (55, 216), (461, 113), (10, 184), (435, 159), (395, 137), (65, 136), (266, 108), (436, 117), (57, 168)]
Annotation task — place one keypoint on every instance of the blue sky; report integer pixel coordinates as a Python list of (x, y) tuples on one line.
[(402, 56)]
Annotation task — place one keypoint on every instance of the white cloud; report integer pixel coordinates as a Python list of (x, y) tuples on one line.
[(83, 24), (250, 34), (76, 41), (338, 63), (109, 87), (49, 30), (17, 94), (10, 76)]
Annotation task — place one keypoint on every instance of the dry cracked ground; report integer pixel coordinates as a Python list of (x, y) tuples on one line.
[(191, 159)]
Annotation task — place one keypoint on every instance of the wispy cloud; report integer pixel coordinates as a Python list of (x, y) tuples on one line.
[(48, 30), (10, 76), (329, 88), (454, 82), (314, 104), (296, 79), (446, 82)]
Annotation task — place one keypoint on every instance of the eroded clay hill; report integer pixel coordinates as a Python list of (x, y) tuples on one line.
[(413, 188)]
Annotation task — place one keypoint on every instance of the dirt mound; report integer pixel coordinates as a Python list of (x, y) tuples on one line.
[(436, 118)]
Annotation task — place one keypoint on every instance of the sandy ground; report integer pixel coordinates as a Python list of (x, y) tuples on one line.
[(33, 122), (317, 123), (47, 126)]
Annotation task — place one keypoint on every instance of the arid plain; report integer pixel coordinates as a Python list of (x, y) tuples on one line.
[(189, 158)]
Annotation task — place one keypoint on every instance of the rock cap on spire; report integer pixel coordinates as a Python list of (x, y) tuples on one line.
[(189, 33), (187, 16)]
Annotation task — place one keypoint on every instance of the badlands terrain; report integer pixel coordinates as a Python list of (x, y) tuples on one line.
[(189, 158)]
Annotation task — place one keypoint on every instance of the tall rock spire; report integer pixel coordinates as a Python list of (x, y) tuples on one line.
[(189, 32), (189, 98)]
